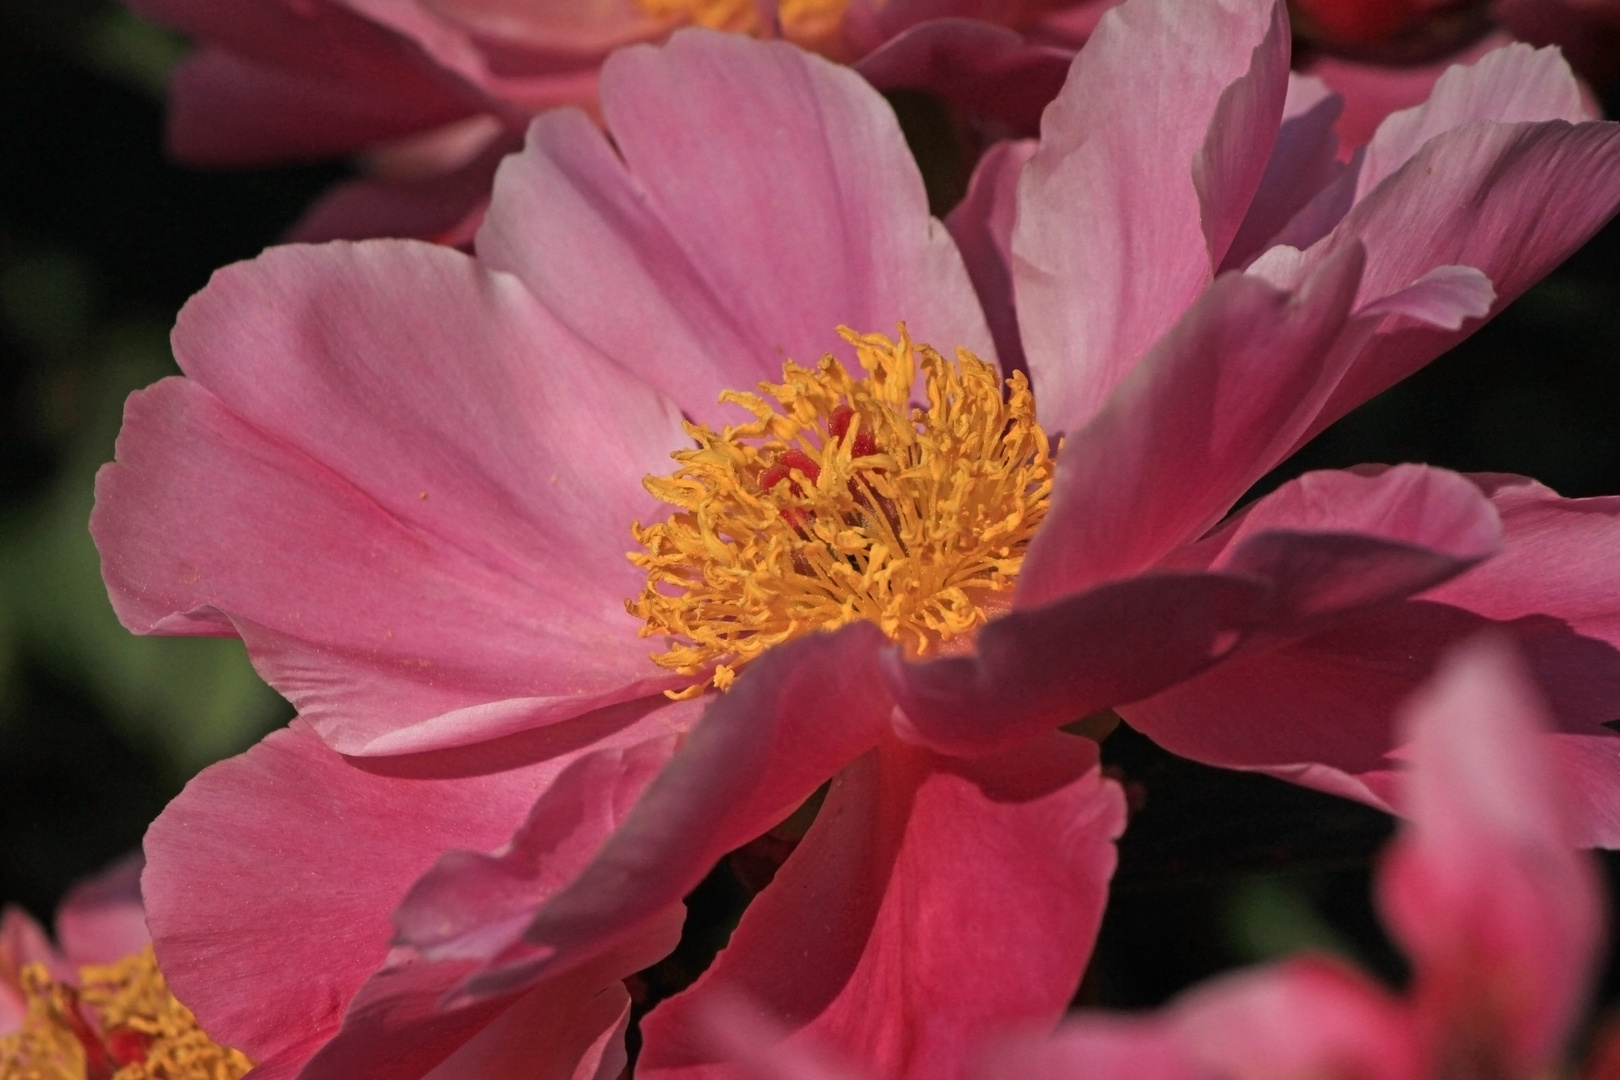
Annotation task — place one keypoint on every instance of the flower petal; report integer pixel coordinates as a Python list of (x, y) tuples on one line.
[(982, 225), (759, 198), (792, 719), (984, 69), (1148, 160), (405, 486), (869, 940), (1214, 405), (1510, 200), (271, 879), (101, 919), (1501, 916), (1038, 668), (1513, 84)]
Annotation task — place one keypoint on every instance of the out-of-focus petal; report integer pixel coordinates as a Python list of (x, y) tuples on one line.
[(692, 264), (869, 941), (228, 109), (979, 67), (101, 919), (1499, 913), (405, 486), (1121, 222)]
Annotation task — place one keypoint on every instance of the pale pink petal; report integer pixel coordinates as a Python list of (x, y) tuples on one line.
[(101, 919), (697, 265), (1304, 161), (871, 940), (1590, 767), (1510, 85), (982, 225), (1214, 405), (1037, 668), (793, 719), (1372, 92), (1446, 297), (984, 69), (229, 109), (405, 486), (1501, 916), (271, 880), (1304, 1017), (1148, 161), (1510, 200)]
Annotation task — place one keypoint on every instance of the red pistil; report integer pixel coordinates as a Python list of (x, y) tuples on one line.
[(128, 1046), (838, 427)]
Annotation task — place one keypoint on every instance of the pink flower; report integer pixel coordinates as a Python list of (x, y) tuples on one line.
[(1501, 918), (100, 921), (406, 478), (433, 94)]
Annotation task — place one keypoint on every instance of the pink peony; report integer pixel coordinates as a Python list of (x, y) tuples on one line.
[(407, 479), (432, 94), (1501, 918)]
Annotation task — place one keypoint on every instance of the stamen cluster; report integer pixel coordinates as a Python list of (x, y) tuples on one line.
[(844, 501), (119, 1023)]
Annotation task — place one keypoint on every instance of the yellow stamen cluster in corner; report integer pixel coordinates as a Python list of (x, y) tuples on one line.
[(813, 24), (120, 1023), (842, 501)]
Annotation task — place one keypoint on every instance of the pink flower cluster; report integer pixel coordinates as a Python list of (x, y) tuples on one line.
[(405, 476)]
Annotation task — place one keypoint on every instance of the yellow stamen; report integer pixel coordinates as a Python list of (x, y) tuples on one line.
[(120, 1023), (813, 24), (843, 502)]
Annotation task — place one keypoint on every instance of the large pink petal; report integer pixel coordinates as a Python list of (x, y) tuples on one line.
[(1510, 200), (978, 67), (794, 718), (982, 225), (759, 198), (1212, 407), (1148, 160), (404, 485), (1510, 85), (871, 939), (101, 919), (270, 881), (1501, 916), (229, 109), (1304, 162), (1334, 542), (1038, 668)]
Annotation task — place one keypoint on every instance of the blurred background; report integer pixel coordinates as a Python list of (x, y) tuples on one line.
[(101, 241)]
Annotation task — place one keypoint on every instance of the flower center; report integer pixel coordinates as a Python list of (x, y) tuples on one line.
[(120, 1023), (813, 24), (843, 501)]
